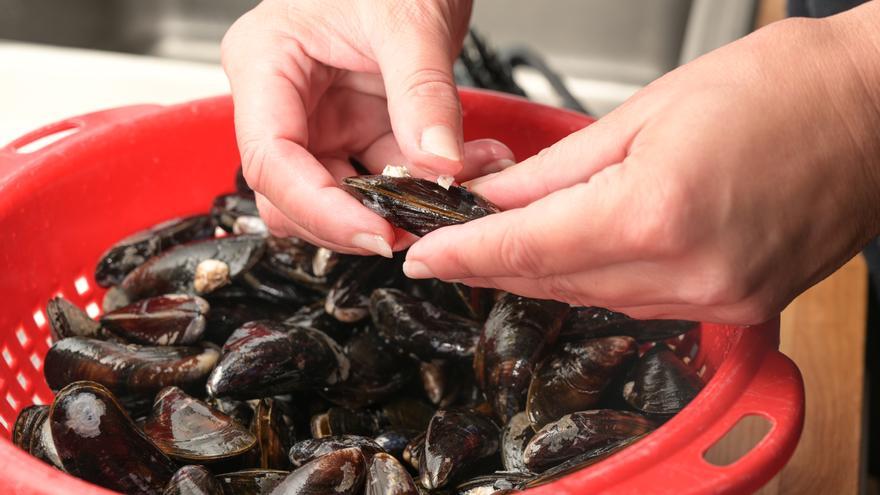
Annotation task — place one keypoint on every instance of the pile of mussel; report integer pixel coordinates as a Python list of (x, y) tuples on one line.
[(231, 361)]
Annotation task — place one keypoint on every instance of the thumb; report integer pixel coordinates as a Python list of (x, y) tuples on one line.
[(423, 104)]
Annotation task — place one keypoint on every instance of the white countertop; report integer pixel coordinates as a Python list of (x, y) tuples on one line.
[(41, 84)]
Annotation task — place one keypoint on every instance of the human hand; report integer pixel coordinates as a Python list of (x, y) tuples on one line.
[(718, 193), (316, 82)]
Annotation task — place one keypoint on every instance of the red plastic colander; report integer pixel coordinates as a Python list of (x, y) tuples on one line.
[(125, 169)]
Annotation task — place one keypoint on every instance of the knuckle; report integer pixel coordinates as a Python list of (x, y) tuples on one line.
[(429, 83), (518, 254)]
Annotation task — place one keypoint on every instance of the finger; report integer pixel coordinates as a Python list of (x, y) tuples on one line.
[(481, 156), (572, 160), (416, 63)]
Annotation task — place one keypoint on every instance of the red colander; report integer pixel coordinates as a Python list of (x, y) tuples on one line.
[(125, 169)]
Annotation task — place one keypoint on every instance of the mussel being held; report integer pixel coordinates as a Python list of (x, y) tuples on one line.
[(96, 441), (660, 384), (418, 206)]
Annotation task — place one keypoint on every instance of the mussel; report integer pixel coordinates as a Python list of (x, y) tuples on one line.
[(133, 251), (228, 208), (339, 472), (661, 384), (309, 449), (96, 441), (342, 421), (514, 438), (68, 320), (348, 299), (394, 441), (594, 322), (252, 481), (514, 338), (193, 480), (386, 476), (454, 442), (172, 319), (418, 206), (273, 436)]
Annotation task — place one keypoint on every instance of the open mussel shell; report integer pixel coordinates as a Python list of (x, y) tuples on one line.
[(188, 430), (454, 441), (227, 208), (514, 438), (420, 328), (193, 480), (386, 476), (263, 358), (128, 368), (133, 251), (97, 442), (273, 436), (199, 267), (660, 384), (343, 421), (68, 320), (348, 299), (252, 481), (418, 206), (575, 376), (306, 450), (595, 322), (514, 338), (340, 472), (582, 432), (172, 319)]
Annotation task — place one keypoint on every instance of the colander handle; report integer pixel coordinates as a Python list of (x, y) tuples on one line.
[(15, 156), (776, 393)]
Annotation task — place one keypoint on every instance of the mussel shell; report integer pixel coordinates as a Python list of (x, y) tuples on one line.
[(228, 207), (42, 445), (252, 481), (172, 319), (454, 441), (438, 381), (314, 316), (514, 438), (660, 384), (263, 358), (514, 338), (292, 259), (189, 430), (418, 206), (176, 270), (595, 322), (343, 421), (412, 453), (492, 484), (422, 329), (340, 472), (306, 450), (470, 302), (406, 413), (582, 432), (193, 480), (133, 251), (575, 376), (97, 442), (326, 263), (348, 299), (395, 441), (579, 462), (128, 368), (68, 320), (386, 476), (238, 410), (27, 425), (229, 313), (241, 185), (263, 284), (273, 436)]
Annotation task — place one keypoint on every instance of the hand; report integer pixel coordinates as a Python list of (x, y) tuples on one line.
[(718, 193), (315, 82)]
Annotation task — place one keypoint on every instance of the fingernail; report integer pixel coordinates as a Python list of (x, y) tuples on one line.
[(440, 141), (417, 269), (372, 243), (497, 166)]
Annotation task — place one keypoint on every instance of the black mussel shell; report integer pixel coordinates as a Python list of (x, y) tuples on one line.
[(229, 313), (412, 453), (27, 425), (114, 299), (660, 384), (314, 316), (514, 437), (470, 302), (386, 476), (492, 484), (575, 376), (439, 381), (97, 442), (579, 462), (252, 481), (340, 472), (241, 185), (292, 259), (349, 297), (128, 368), (193, 480), (263, 358), (172, 319), (227, 208), (417, 205), (133, 251), (582, 432), (406, 413), (196, 268), (306, 450), (378, 370), (273, 436), (343, 421), (238, 410), (454, 441), (395, 441), (188, 430), (420, 328), (514, 338), (594, 322), (68, 320), (263, 284)]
